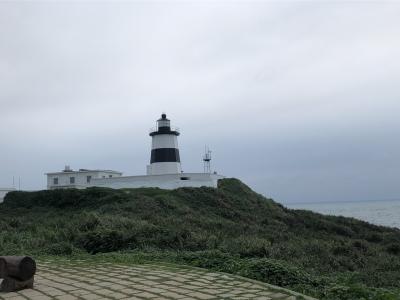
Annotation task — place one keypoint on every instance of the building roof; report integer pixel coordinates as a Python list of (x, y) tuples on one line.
[(83, 171)]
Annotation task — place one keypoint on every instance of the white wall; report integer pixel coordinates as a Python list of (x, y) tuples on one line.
[(164, 141), (161, 168), (166, 181), (80, 178)]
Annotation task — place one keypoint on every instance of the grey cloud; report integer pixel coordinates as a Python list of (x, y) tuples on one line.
[(299, 99)]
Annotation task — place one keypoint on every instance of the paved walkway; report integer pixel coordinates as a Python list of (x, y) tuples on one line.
[(80, 280)]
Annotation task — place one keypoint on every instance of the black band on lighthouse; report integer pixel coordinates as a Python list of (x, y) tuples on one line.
[(164, 130), (165, 155)]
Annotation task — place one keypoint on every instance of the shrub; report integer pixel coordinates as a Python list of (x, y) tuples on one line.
[(360, 245), (393, 249), (358, 292), (105, 241), (276, 273), (61, 248), (249, 246), (374, 238), (256, 237), (89, 221)]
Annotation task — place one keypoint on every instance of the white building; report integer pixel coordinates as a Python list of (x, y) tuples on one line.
[(163, 172), (80, 179), (4, 192), (162, 181)]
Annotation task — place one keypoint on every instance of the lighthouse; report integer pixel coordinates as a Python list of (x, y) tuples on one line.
[(164, 170), (165, 157)]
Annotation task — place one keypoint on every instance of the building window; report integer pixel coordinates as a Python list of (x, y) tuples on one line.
[(104, 176), (55, 181), (88, 179), (185, 178), (72, 180), (109, 176)]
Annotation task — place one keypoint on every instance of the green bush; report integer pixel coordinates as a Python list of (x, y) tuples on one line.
[(230, 229), (61, 248), (393, 249), (105, 241), (276, 273), (358, 292)]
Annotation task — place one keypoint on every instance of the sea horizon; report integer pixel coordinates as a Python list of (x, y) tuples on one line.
[(338, 201), (377, 212)]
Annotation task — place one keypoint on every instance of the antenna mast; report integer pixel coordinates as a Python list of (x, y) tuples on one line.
[(207, 160)]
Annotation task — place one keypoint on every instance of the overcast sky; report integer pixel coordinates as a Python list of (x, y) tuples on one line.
[(300, 100)]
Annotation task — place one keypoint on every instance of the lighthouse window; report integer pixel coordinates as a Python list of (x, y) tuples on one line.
[(55, 181), (185, 178), (72, 180)]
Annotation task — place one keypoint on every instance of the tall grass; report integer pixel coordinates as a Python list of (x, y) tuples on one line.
[(230, 228)]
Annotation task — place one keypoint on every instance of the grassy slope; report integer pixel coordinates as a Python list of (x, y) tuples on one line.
[(230, 229)]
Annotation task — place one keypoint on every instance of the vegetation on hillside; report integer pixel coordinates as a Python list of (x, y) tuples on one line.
[(230, 229)]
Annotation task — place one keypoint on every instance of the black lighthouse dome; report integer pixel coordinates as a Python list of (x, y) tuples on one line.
[(164, 127)]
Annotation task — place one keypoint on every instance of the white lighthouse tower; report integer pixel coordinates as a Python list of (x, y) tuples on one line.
[(164, 150)]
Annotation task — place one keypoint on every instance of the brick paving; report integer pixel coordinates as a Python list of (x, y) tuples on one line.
[(92, 281)]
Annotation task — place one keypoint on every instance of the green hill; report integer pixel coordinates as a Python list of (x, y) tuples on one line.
[(231, 229)]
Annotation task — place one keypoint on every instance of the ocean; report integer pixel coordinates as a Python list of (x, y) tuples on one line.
[(385, 212)]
